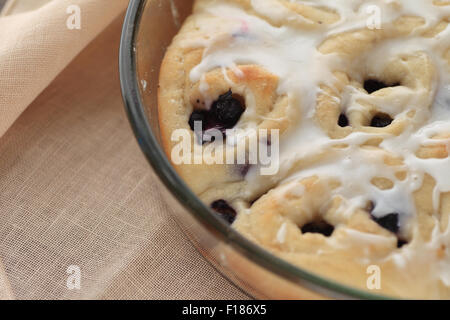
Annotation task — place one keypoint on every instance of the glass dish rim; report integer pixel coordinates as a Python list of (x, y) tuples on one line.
[(156, 157)]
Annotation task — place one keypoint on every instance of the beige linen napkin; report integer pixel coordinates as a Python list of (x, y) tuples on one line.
[(36, 44), (5, 289), (19, 6), (75, 190)]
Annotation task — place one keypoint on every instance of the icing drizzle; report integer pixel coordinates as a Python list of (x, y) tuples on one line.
[(291, 53)]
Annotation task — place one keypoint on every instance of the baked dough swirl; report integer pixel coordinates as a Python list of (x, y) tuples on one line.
[(360, 93)]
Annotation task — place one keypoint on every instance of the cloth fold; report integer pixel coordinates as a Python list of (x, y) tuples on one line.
[(5, 289), (75, 190), (37, 45), (19, 6)]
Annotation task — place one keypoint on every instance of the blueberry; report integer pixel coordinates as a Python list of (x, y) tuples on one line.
[(319, 226), (401, 242), (198, 115), (224, 210), (243, 169), (226, 111), (372, 85), (343, 121), (381, 121), (389, 222)]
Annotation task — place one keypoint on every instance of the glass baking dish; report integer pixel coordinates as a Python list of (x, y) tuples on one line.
[(148, 29)]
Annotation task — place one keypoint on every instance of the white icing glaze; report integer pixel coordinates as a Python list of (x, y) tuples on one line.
[(281, 234), (291, 54)]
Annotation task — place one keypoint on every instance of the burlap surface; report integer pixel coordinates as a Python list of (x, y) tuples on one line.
[(75, 189)]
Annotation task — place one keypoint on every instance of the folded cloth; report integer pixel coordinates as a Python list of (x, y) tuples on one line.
[(38, 39), (75, 190), (20, 6), (5, 290)]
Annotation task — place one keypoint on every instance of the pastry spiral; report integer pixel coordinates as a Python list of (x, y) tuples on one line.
[(360, 94)]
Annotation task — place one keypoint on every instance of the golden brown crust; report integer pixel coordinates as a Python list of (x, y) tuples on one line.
[(273, 212)]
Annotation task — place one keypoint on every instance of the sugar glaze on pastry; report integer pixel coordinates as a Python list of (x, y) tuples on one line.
[(364, 116)]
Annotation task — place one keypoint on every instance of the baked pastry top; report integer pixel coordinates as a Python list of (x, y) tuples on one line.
[(359, 92)]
